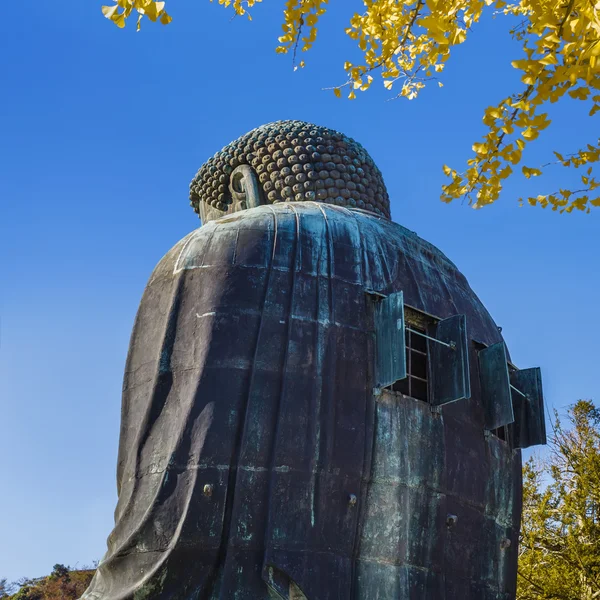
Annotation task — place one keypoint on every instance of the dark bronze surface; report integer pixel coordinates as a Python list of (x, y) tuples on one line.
[(256, 462), (294, 161)]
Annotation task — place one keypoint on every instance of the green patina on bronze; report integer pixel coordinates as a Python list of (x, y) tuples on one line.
[(293, 161), (259, 456)]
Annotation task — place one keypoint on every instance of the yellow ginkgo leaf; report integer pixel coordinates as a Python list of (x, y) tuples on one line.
[(530, 172), (119, 20), (152, 11), (109, 11), (480, 148), (529, 134)]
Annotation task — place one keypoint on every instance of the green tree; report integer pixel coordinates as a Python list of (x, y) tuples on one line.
[(60, 572), (406, 43), (559, 553), (6, 588), (28, 593), (61, 584)]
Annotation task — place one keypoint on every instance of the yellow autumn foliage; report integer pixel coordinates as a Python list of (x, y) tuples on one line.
[(407, 43)]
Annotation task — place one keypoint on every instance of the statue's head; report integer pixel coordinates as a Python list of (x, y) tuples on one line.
[(288, 161)]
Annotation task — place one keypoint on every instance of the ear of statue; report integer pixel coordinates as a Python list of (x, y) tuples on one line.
[(244, 188)]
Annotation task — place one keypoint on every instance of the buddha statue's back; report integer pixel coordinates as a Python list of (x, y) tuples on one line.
[(258, 455)]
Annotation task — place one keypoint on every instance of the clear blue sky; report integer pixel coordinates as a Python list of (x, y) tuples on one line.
[(101, 132)]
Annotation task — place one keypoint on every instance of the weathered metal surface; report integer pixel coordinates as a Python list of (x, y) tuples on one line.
[(291, 161), (251, 370), (529, 428), (450, 363), (402, 537), (390, 350), (495, 386)]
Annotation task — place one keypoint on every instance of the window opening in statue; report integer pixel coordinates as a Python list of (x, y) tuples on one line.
[(416, 383), (500, 432)]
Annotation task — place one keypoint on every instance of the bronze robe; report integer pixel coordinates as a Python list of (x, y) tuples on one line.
[(255, 461)]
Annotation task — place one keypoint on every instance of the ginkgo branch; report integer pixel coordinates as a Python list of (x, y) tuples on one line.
[(402, 39)]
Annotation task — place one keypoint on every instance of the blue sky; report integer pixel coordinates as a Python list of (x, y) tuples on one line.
[(103, 129)]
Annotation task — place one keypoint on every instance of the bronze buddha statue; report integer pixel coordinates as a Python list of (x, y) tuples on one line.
[(315, 403)]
